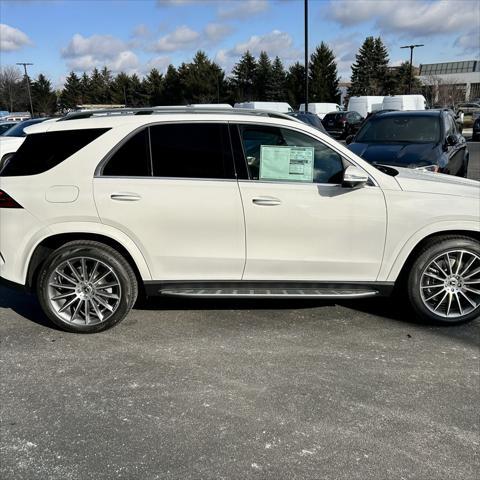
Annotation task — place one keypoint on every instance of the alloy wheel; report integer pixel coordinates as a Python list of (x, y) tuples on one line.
[(450, 284), (84, 291)]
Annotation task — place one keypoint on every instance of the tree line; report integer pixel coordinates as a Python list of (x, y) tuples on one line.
[(204, 81)]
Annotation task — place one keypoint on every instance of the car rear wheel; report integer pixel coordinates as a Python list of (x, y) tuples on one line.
[(444, 283), (86, 287)]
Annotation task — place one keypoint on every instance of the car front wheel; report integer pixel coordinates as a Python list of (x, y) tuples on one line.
[(86, 287), (444, 282)]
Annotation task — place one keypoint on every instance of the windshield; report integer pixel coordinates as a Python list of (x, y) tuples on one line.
[(401, 129), (18, 129)]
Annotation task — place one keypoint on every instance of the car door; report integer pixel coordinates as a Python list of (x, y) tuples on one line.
[(172, 189), (301, 224)]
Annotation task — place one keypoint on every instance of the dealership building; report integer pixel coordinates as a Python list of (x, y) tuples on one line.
[(464, 76)]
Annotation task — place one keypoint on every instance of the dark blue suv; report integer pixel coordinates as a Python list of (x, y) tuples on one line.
[(427, 140)]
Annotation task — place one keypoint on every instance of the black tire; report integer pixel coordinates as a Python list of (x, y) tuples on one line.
[(432, 250), (95, 251)]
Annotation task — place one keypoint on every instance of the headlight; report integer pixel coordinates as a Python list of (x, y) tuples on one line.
[(428, 168)]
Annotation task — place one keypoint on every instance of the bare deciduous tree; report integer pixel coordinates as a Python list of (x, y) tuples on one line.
[(10, 87)]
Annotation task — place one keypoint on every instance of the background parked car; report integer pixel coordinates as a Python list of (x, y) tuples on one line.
[(5, 126), (310, 119), (427, 140), (342, 124), (476, 130)]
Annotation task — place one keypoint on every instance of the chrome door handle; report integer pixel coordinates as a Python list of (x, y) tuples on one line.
[(125, 197), (267, 201)]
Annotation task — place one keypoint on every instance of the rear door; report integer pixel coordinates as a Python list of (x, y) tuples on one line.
[(456, 152), (172, 189)]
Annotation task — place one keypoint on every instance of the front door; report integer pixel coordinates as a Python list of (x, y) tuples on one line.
[(301, 224), (171, 188)]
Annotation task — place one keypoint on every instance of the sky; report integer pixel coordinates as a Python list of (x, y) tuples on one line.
[(59, 36)]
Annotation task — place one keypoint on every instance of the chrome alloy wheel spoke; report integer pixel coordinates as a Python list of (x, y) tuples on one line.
[(84, 291), (448, 284)]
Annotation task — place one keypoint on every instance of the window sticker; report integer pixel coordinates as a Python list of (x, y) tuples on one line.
[(286, 163)]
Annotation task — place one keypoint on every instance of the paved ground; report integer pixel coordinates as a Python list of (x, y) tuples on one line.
[(238, 390)]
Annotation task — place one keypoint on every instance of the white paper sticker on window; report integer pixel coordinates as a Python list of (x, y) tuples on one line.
[(286, 163)]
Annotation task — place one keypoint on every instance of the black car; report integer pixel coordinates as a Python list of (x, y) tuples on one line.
[(342, 124), (310, 119), (18, 130), (476, 130), (427, 140)]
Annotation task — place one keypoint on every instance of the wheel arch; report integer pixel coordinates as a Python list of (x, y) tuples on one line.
[(399, 272), (52, 242)]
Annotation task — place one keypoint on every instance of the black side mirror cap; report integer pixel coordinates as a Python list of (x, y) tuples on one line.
[(349, 139), (451, 140)]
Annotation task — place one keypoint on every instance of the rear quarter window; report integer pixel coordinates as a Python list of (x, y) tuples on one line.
[(42, 151)]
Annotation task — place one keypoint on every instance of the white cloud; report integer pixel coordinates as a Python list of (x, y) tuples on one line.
[(235, 10), (181, 38), (141, 30), (408, 18), (469, 42), (12, 39), (215, 32), (161, 63), (274, 43), (86, 53)]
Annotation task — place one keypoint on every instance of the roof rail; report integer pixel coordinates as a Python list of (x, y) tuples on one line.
[(114, 112)]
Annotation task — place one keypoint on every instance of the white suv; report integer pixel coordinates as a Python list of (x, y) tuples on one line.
[(226, 203)]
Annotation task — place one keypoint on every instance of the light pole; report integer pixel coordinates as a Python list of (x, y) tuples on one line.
[(28, 84), (411, 47), (306, 55)]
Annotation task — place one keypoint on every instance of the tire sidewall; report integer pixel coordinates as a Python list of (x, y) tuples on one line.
[(96, 253)]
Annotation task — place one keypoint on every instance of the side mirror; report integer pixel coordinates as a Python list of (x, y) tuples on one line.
[(349, 139), (354, 177), (451, 140)]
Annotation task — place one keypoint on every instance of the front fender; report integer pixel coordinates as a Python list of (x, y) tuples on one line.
[(390, 273)]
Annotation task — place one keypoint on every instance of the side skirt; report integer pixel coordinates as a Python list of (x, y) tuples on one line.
[(261, 289)]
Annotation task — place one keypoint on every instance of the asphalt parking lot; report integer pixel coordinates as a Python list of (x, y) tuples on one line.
[(236, 390)]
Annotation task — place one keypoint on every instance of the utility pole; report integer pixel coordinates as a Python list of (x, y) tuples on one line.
[(28, 84), (411, 47), (306, 55)]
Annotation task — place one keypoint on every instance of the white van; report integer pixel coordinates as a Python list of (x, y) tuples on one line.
[(404, 102), (281, 107), (365, 104), (321, 109)]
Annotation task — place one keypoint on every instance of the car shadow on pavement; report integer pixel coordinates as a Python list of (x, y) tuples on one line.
[(25, 305)]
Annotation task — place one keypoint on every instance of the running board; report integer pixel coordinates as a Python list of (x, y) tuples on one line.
[(325, 293)]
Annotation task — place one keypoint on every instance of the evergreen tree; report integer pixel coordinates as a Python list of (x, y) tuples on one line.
[(138, 95), (153, 85), (244, 75), (121, 90), (171, 88), (44, 98), (106, 76), (295, 85), (71, 95), (276, 88), (263, 76), (398, 79), (85, 89), (97, 87), (202, 80), (323, 76), (370, 68)]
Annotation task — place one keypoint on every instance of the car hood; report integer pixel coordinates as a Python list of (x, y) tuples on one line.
[(428, 182), (399, 154)]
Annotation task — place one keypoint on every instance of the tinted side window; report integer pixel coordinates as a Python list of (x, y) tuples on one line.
[(191, 151), (269, 157), (42, 151), (132, 159)]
